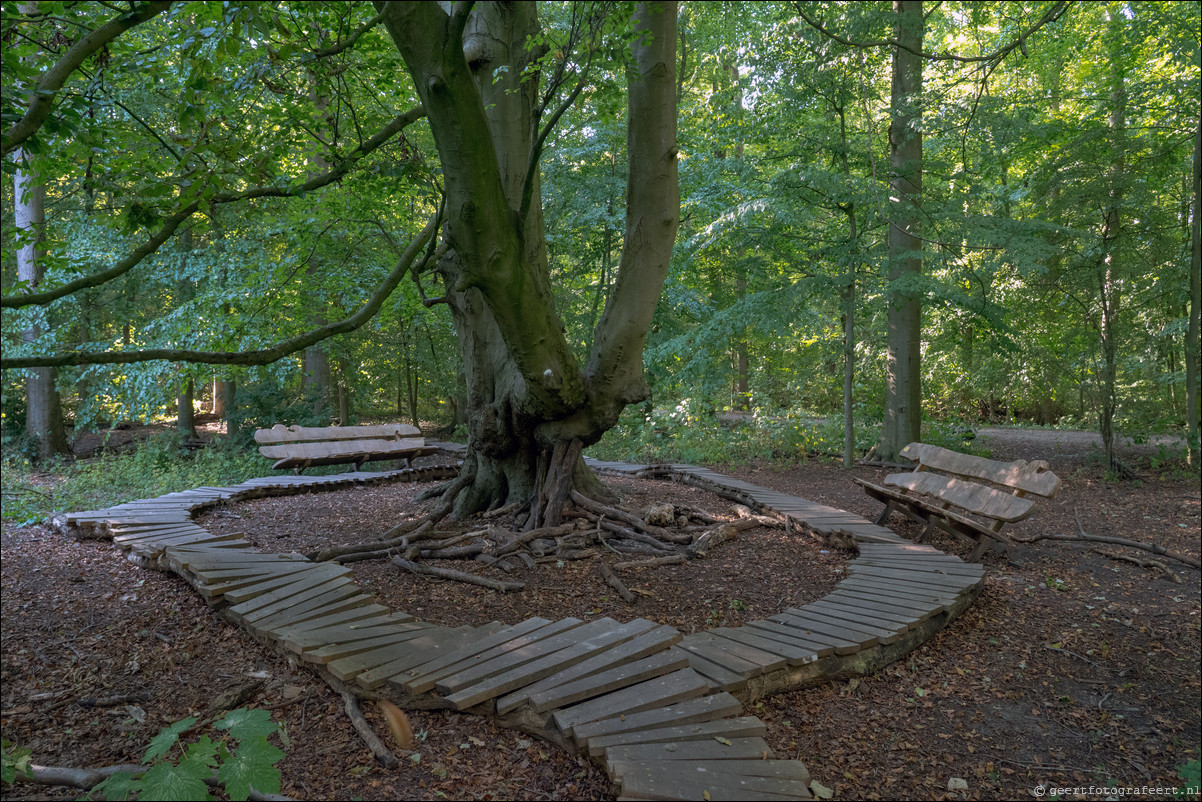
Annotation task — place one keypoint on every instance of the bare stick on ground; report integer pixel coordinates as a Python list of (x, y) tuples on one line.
[(671, 559), (616, 584), (379, 751), (1083, 536), (458, 576)]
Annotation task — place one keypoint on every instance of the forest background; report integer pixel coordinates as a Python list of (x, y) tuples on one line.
[(219, 180)]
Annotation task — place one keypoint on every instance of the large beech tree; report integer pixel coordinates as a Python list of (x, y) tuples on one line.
[(533, 406)]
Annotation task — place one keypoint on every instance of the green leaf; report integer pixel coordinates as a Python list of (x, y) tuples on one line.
[(251, 765), (204, 751), (161, 744), (120, 786), (243, 723), (180, 783)]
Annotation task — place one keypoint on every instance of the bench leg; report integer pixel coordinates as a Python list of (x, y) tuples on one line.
[(884, 516), (926, 531), (979, 550)]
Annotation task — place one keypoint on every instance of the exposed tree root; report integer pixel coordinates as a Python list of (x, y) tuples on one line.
[(460, 576), (1141, 563), (671, 559), (616, 584)]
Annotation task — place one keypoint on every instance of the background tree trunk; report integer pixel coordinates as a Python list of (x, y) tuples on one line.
[(185, 412), (903, 380), (1195, 308)]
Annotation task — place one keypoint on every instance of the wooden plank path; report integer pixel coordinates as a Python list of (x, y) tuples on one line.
[(661, 711)]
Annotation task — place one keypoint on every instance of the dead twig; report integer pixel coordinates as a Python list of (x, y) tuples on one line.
[(1085, 537), (1141, 563), (379, 751), (459, 576)]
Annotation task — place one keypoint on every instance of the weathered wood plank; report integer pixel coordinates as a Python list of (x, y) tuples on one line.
[(878, 616), (795, 655), (664, 662), (866, 601), (704, 708), (572, 631), (251, 590), (776, 631), (703, 780), (644, 645), (780, 769), (274, 601), (345, 595), (813, 624), (659, 692), (604, 637), (332, 652), (1031, 477), (709, 648), (297, 434), (738, 749), (349, 667), (742, 727), (718, 677), (884, 631), (425, 675)]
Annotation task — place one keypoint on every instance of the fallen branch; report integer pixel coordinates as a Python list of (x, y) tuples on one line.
[(719, 534), (88, 778), (630, 534), (672, 559), (379, 751), (599, 509), (459, 576), (1141, 563), (616, 584), (1083, 536)]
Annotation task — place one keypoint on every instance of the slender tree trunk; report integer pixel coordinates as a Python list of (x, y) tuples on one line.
[(1194, 333), (185, 412), (903, 380), (1109, 285), (849, 311), (43, 411)]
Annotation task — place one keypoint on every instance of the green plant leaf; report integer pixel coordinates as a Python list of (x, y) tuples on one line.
[(251, 765), (180, 783), (243, 723), (161, 744), (204, 751), (120, 786)]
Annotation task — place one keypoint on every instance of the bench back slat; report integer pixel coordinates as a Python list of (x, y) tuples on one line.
[(969, 496), (299, 434), (1029, 477), (342, 448)]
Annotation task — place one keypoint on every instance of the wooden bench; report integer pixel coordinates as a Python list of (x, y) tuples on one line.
[(300, 447), (943, 490)]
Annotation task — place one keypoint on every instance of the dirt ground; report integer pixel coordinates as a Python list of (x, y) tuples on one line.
[(1072, 669)]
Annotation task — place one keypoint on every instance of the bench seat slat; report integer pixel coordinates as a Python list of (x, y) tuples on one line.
[(297, 434), (968, 496), (1029, 477), (342, 448)]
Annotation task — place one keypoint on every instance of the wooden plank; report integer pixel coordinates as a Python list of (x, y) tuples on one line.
[(780, 769), (313, 598), (354, 632), (659, 692), (786, 634), (424, 676), (318, 630), (332, 613), (558, 660), (879, 615), (825, 622), (393, 672), (572, 631), (337, 651), (738, 749), (250, 590), (342, 449), (884, 631), (978, 499), (273, 602), (703, 708), (292, 434), (342, 597), (644, 645), (920, 611), (765, 660), (1030, 477), (922, 579), (899, 588), (968, 570), (349, 667), (708, 648), (719, 677), (795, 655), (663, 662), (742, 727), (845, 640), (683, 780)]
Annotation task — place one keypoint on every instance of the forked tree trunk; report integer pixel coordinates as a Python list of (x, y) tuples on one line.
[(531, 407)]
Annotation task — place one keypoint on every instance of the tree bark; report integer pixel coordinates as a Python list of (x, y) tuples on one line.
[(531, 406), (903, 380), (43, 411), (185, 414), (1194, 333)]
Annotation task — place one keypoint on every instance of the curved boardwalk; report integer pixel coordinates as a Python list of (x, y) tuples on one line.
[(661, 711)]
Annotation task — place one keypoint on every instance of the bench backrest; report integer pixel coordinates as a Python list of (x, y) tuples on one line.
[(280, 433), (1029, 477)]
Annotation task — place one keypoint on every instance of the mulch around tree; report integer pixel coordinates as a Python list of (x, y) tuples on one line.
[(1071, 669)]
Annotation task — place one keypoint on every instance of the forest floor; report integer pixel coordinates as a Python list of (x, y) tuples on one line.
[(1073, 669)]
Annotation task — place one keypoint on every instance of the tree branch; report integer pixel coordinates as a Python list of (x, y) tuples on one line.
[(41, 100), (1051, 15), (262, 356), (338, 47), (174, 221), (87, 779)]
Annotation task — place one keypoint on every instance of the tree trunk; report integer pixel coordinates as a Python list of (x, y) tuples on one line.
[(185, 412), (849, 310), (1195, 306), (531, 407), (903, 380), (43, 411), (1109, 284)]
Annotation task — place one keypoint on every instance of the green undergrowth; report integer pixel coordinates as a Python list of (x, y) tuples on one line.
[(160, 464), (685, 435)]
